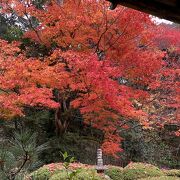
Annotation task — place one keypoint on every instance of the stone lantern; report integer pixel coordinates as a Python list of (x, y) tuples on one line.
[(100, 166)]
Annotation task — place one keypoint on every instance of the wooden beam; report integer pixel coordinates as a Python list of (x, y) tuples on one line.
[(166, 9)]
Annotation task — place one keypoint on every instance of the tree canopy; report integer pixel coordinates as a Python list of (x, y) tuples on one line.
[(80, 56)]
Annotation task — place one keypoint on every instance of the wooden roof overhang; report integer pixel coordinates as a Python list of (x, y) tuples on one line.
[(166, 9)]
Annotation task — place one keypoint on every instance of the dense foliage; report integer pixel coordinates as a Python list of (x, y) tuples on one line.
[(131, 172), (80, 74)]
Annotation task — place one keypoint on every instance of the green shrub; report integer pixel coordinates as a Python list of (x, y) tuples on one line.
[(172, 172), (139, 165), (132, 174), (82, 175), (140, 170), (41, 174), (161, 178), (59, 176), (115, 173), (134, 171), (87, 175)]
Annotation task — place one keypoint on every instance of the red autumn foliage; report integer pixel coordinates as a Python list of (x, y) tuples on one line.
[(102, 64)]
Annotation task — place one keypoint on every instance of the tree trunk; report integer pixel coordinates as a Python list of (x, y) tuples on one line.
[(62, 115), (61, 123)]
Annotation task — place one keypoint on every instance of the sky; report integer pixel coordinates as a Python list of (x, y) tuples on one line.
[(158, 20)]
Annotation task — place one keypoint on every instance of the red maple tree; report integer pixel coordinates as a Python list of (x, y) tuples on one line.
[(166, 87), (100, 62)]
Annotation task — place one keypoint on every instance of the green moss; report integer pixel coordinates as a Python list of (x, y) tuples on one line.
[(141, 170), (81, 175), (115, 173), (134, 171), (172, 172), (41, 174), (132, 174), (59, 176), (141, 166), (88, 175), (161, 178)]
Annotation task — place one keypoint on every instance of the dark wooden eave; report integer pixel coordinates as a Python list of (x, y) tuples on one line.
[(166, 9)]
